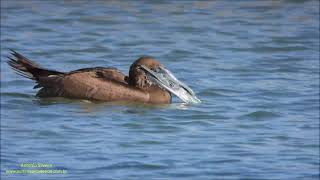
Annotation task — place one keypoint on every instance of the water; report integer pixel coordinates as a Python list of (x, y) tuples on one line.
[(254, 65)]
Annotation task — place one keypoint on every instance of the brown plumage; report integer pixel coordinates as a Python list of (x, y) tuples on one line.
[(98, 83)]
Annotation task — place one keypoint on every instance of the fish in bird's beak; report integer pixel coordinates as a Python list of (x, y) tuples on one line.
[(165, 79)]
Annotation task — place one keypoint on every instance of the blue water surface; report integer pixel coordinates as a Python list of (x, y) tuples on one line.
[(254, 64)]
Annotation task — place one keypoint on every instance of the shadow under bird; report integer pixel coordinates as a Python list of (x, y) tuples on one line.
[(148, 82)]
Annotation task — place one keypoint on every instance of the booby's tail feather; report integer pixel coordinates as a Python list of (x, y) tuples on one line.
[(26, 68)]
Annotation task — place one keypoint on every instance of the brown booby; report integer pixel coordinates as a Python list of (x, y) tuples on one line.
[(148, 82)]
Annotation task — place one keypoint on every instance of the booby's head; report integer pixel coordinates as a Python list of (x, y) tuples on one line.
[(147, 72)]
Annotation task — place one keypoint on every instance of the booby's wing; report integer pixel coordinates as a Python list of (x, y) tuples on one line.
[(103, 84)]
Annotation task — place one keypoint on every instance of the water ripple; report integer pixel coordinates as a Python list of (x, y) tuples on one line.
[(260, 115)]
